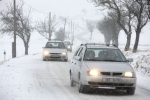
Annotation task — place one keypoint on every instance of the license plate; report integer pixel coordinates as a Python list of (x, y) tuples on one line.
[(54, 55), (111, 80)]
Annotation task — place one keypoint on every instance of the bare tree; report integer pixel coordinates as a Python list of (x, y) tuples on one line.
[(23, 23), (60, 34), (121, 14), (110, 29), (46, 27), (141, 19), (90, 26), (148, 7)]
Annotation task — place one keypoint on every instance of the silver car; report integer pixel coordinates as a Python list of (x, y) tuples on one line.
[(103, 67), (55, 50)]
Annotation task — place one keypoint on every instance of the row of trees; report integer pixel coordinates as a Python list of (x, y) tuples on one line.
[(127, 15), (24, 26), (108, 27)]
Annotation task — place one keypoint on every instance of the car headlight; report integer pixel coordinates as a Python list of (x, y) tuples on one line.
[(46, 52), (93, 73), (64, 53), (68, 47), (128, 74)]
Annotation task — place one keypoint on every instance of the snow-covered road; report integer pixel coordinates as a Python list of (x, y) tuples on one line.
[(30, 78)]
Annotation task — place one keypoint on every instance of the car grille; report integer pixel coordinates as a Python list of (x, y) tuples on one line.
[(111, 73), (55, 55), (109, 84)]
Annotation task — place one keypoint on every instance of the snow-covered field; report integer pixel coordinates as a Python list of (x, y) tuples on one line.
[(29, 78)]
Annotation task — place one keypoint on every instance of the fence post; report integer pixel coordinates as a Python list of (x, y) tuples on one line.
[(4, 55)]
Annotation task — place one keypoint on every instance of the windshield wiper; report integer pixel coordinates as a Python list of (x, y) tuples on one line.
[(89, 59), (113, 60)]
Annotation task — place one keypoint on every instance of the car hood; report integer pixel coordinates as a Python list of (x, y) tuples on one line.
[(55, 50), (109, 66)]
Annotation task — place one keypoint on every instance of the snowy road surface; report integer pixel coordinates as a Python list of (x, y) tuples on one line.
[(30, 78)]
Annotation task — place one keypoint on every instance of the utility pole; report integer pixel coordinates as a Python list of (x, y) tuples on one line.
[(50, 26), (71, 33), (14, 44), (65, 26)]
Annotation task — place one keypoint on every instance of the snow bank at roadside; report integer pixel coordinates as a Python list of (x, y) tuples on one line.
[(141, 61)]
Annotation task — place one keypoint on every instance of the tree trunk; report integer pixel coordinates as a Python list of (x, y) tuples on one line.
[(107, 41), (136, 40), (128, 43), (26, 49), (49, 37), (116, 41)]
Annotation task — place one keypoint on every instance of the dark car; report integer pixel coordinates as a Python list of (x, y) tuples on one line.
[(68, 45)]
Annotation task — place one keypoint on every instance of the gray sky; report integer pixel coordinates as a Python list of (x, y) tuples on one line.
[(56, 7), (70, 8)]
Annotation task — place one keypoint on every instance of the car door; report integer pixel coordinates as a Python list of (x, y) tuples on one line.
[(78, 63), (73, 63)]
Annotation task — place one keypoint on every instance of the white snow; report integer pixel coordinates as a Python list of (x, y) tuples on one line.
[(27, 77)]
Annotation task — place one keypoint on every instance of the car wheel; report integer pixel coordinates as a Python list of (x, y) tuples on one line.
[(131, 91), (71, 81), (66, 60), (81, 87), (44, 59)]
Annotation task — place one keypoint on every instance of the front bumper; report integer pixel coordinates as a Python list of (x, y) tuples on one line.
[(108, 82), (57, 56)]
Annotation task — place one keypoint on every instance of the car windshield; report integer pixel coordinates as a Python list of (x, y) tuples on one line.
[(55, 45), (104, 54), (67, 43)]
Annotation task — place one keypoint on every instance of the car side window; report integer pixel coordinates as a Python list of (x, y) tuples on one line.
[(75, 54), (81, 53)]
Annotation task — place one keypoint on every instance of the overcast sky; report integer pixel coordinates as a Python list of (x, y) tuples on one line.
[(57, 7), (69, 8)]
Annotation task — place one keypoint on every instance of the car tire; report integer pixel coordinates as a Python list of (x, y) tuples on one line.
[(44, 59), (82, 88), (66, 60), (131, 91), (72, 83)]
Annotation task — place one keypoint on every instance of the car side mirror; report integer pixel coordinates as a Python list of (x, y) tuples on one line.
[(130, 59), (78, 58)]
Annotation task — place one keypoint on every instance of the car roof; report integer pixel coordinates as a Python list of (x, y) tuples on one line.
[(108, 47), (55, 41), (66, 40), (97, 45)]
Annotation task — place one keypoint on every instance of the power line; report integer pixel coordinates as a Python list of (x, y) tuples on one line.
[(34, 8)]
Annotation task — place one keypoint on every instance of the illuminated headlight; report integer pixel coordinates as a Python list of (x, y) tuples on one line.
[(68, 47), (93, 73), (64, 53), (46, 52), (128, 74)]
